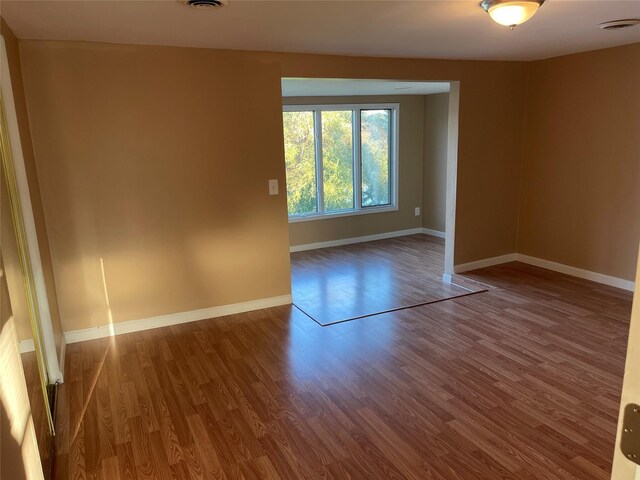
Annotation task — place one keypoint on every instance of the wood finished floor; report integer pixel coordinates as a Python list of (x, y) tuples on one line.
[(341, 283), (521, 382)]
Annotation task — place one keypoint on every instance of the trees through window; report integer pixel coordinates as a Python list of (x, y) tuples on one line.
[(340, 159)]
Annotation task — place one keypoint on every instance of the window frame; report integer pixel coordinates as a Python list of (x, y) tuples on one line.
[(356, 108)]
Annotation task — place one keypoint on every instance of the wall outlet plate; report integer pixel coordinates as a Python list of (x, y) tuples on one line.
[(417, 211)]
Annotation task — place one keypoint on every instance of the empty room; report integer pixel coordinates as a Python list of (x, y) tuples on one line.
[(319, 239), (366, 164)]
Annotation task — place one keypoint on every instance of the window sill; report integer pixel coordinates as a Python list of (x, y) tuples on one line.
[(350, 213)]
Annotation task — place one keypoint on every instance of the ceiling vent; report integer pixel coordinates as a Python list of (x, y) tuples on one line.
[(619, 24), (205, 4)]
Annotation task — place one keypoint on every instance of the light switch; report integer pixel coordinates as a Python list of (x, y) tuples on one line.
[(273, 187), (417, 211)]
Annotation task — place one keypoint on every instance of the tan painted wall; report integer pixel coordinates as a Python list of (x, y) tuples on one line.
[(409, 180), (24, 330), (581, 176), (489, 159), (434, 178), (156, 160)]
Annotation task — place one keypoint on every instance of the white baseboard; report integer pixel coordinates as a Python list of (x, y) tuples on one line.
[(433, 233), (549, 265), (63, 351), (366, 238), (578, 272), (173, 319), (26, 346), (352, 240), (487, 262)]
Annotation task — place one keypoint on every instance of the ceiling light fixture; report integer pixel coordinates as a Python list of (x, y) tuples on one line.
[(511, 13), (204, 4)]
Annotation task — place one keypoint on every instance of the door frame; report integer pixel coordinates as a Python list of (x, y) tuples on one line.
[(623, 468), (54, 371), (452, 179)]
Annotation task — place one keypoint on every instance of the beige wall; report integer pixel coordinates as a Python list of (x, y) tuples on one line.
[(409, 179), (489, 159), (581, 176), (24, 329), (156, 160), (434, 178)]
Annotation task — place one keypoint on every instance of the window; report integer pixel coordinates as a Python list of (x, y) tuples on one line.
[(340, 159)]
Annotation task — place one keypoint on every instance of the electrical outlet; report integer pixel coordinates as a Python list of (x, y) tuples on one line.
[(417, 211), (273, 187)]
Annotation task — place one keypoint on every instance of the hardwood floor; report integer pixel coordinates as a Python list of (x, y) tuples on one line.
[(336, 284), (520, 382)]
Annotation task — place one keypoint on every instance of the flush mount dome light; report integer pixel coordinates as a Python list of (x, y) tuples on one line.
[(204, 4), (511, 12)]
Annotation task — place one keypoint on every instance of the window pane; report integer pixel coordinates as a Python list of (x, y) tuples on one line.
[(375, 131), (300, 159), (337, 160)]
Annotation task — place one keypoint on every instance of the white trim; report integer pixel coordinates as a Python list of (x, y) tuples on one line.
[(46, 328), (549, 265), (346, 213), (452, 177), (394, 157), (578, 272), (357, 171), (174, 319), (486, 262), (26, 346), (352, 240), (394, 152), (319, 160), (622, 467), (63, 352), (433, 233), (334, 107)]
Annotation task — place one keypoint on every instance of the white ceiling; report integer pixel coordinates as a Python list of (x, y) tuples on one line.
[(323, 87), (427, 29)]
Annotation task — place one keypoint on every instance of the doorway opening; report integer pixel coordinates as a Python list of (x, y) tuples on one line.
[(371, 188)]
